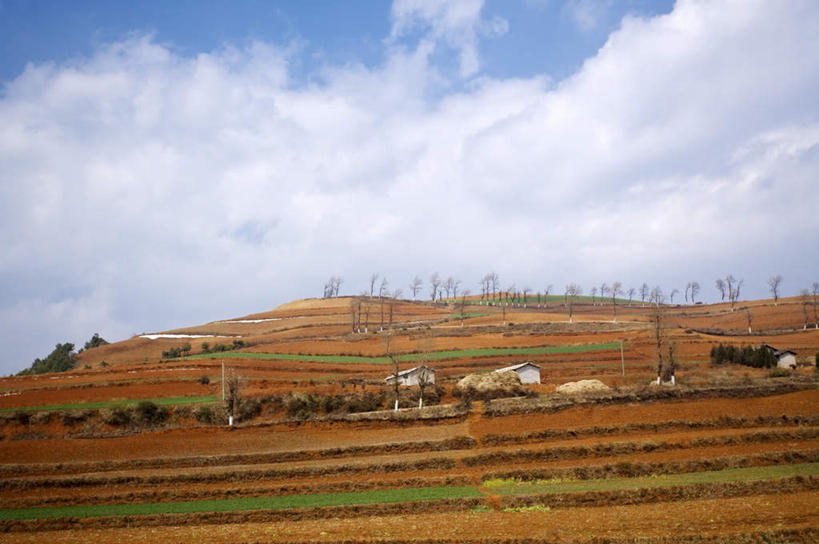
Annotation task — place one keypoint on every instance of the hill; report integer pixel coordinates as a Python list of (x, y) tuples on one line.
[(134, 445)]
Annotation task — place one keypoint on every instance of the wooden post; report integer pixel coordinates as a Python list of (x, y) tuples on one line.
[(223, 380)]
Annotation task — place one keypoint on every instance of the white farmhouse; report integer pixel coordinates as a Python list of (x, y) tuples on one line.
[(413, 376), (785, 359), (528, 372)]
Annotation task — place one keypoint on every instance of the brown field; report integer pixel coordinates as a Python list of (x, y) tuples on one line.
[(715, 418)]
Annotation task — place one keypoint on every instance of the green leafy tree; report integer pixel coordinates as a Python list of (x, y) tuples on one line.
[(61, 359), (95, 342)]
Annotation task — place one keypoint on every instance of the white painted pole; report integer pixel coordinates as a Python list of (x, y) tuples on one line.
[(622, 359), (223, 380)]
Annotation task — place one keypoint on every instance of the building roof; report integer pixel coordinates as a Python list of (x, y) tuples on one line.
[(517, 367)]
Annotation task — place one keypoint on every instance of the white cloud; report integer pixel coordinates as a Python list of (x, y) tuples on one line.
[(456, 23), (141, 189)]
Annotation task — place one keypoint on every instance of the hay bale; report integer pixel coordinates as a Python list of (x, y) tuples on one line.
[(583, 386), (491, 381)]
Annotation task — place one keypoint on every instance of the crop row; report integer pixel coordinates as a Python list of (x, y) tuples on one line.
[(724, 422), (411, 357), (556, 403), (611, 449), (456, 443), (579, 473), (471, 501)]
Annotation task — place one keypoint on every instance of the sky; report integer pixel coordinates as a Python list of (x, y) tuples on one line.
[(166, 164)]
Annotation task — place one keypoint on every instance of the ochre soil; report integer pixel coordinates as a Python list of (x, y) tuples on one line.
[(690, 518)]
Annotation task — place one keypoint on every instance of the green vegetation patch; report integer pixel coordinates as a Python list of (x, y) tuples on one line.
[(435, 355), (164, 401), (540, 487), (247, 503)]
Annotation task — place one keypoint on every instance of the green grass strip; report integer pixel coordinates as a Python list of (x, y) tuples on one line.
[(514, 487), (164, 401), (247, 503), (435, 355)]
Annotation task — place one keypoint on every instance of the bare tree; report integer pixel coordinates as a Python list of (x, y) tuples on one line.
[(382, 292), (463, 305), (391, 304), (773, 287), (572, 290), (415, 286), (593, 294), (434, 284), (424, 379), (373, 280), (749, 318), (604, 290), (616, 289), (734, 287), (657, 296), (526, 291), (233, 384), (494, 282), (546, 294), (448, 286), (643, 293), (695, 288), (721, 287), (630, 293), (387, 339), (804, 298), (673, 292), (687, 287), (355, 314), (815, 291), (658, 333)]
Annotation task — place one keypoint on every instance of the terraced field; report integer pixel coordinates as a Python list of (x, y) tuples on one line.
[(726, 455)]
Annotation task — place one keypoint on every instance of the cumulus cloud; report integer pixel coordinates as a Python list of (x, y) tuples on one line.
[(455, 23), (143, 189)]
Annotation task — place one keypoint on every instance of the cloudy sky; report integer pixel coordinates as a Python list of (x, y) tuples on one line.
[(165, 164)]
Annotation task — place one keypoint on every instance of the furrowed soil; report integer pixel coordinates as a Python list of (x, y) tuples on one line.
[(717, 417)]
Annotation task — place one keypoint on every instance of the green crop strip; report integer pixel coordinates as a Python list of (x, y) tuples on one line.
[(164, 401), (435, 355), (516, 487), (248, 503)]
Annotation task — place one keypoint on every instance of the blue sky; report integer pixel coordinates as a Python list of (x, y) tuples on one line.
[(164, 164), (552, 37)]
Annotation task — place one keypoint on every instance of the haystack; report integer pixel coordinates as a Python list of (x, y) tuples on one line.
[(492, 381), (583, 386)]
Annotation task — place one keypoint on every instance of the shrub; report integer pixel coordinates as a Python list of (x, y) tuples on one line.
[(204, 380), (300, 405), (150, 413), (777, 372), (72, 418), (761, 357), (248, 409), (23, 418), (204, 414), (103, 364), (205, 347), (117, 416)]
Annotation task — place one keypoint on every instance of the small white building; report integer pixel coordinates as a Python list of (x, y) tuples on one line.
[(413, 376), (528, 372), (785, 359)]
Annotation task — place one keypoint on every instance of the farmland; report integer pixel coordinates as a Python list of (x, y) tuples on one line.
[(728, 453)]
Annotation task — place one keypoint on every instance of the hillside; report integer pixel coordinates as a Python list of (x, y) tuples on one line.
[(138, 448)]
